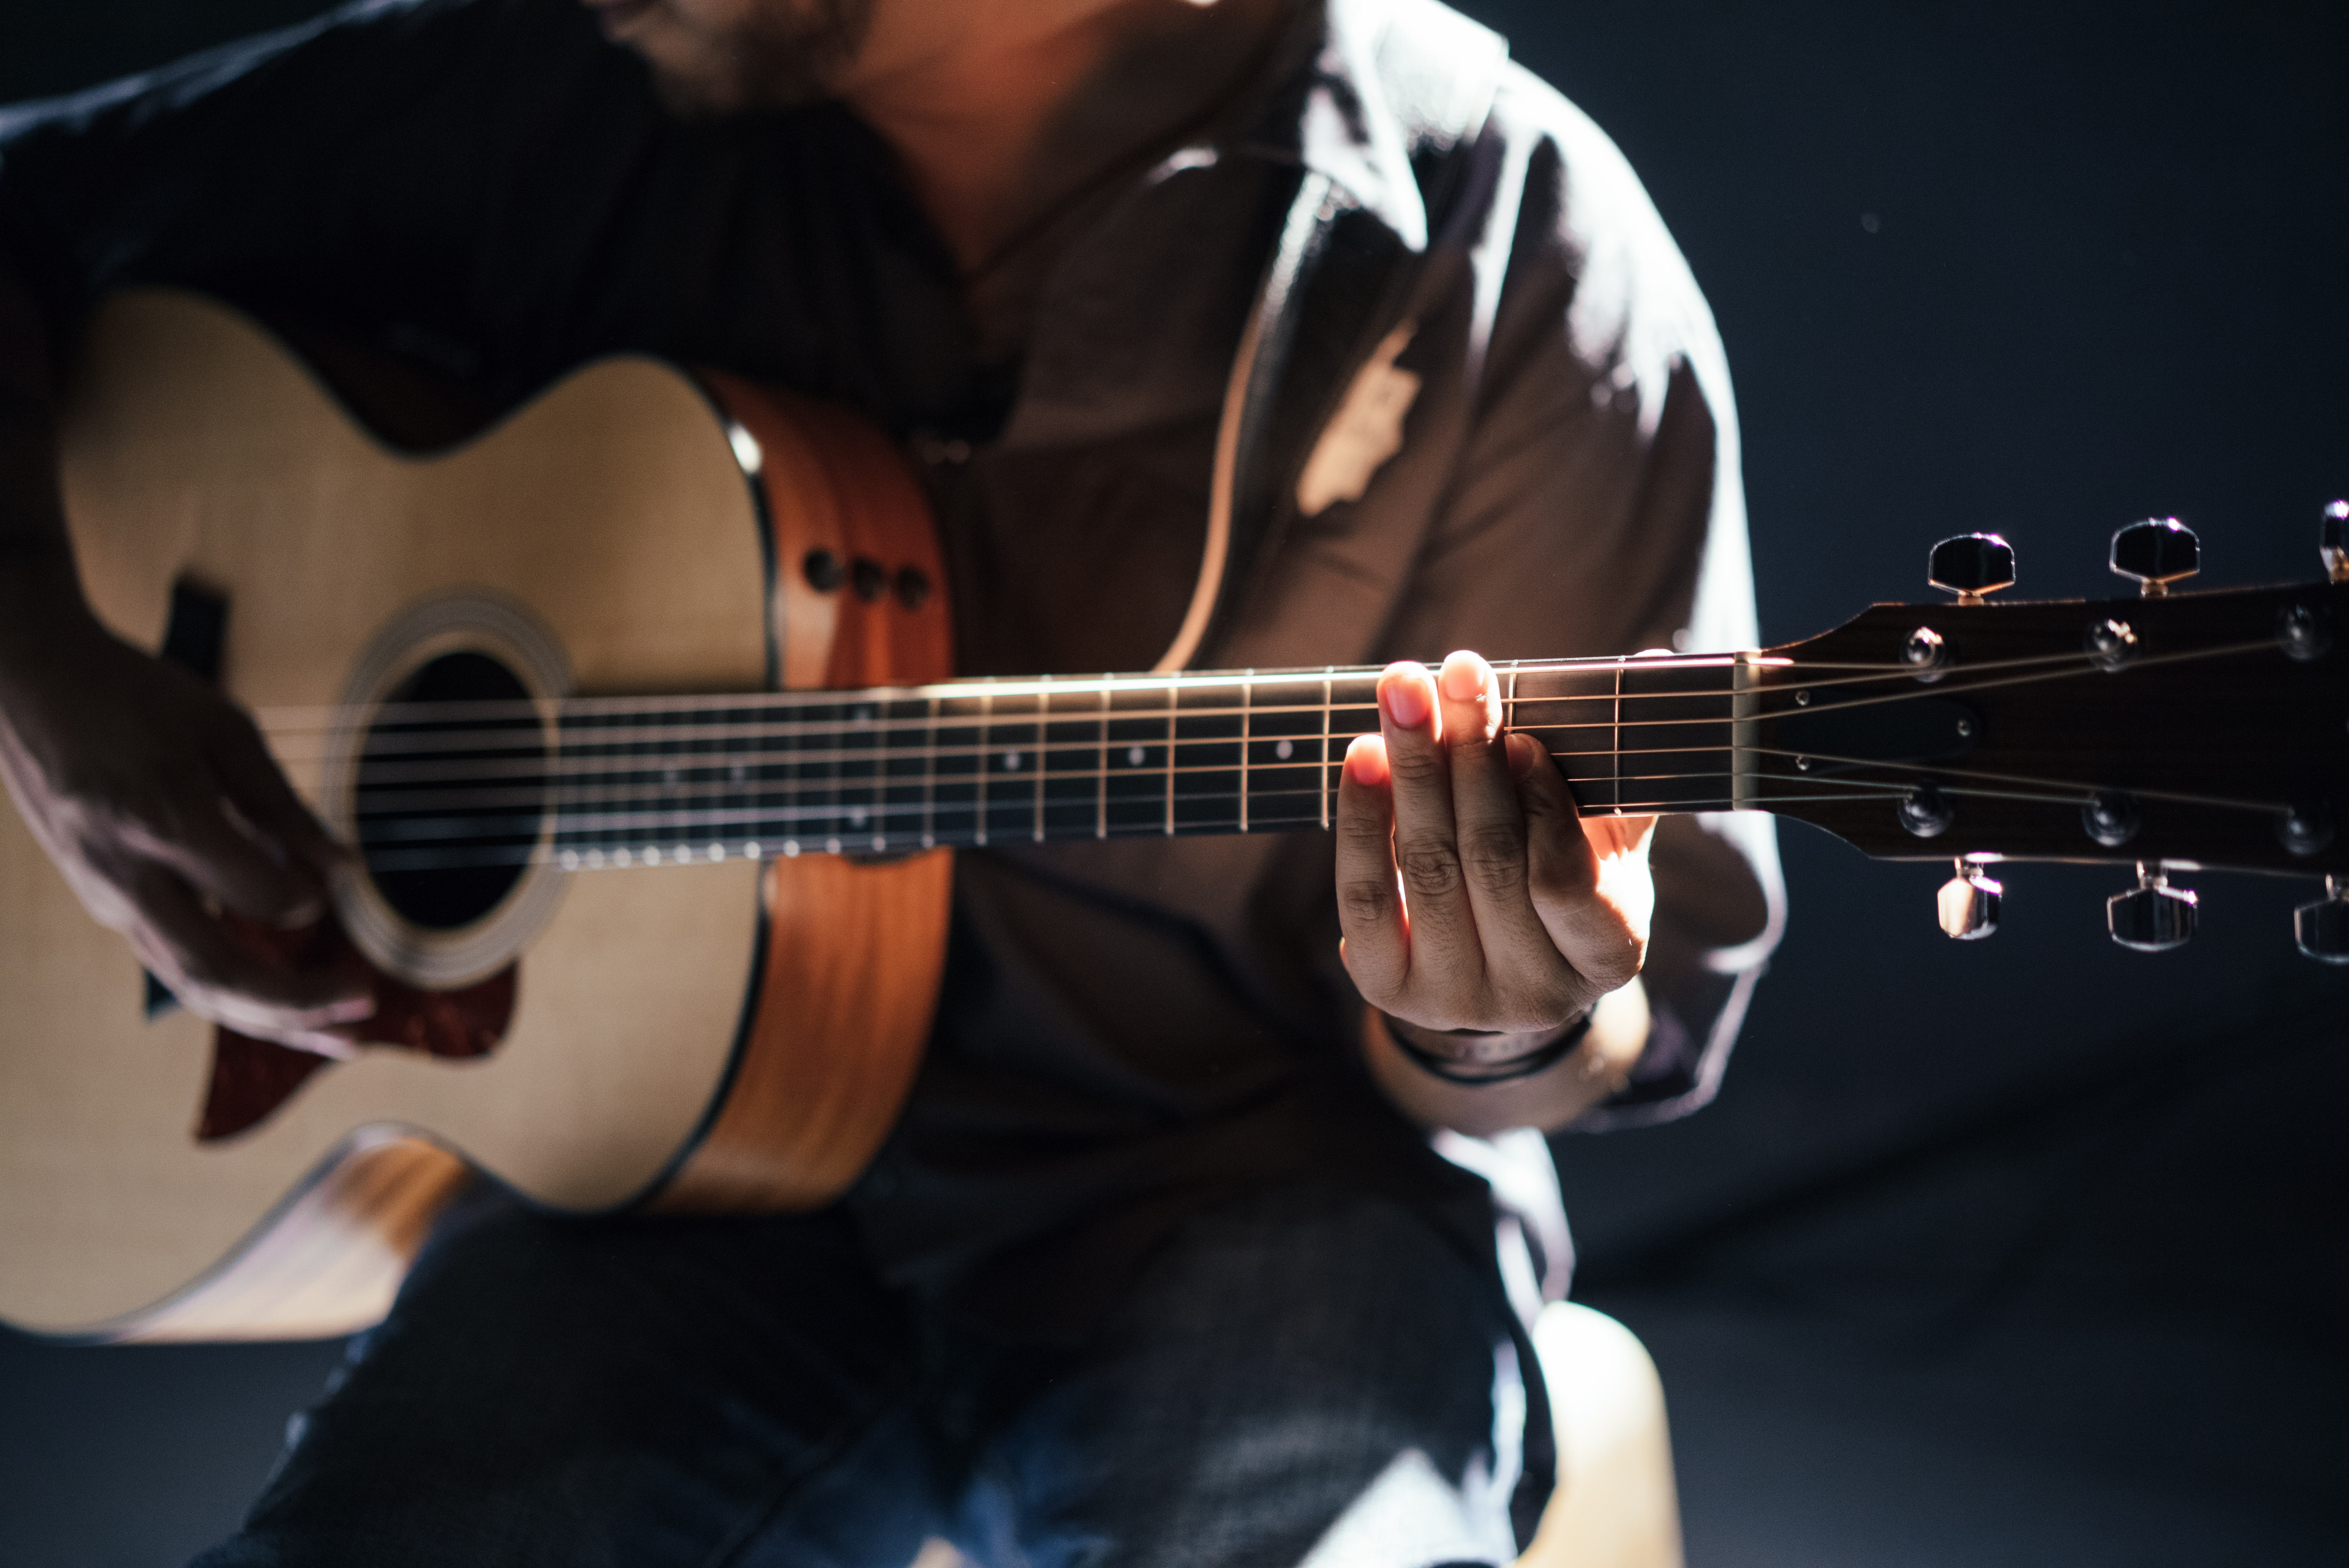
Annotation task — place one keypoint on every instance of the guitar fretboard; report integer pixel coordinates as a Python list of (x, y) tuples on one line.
[(592, 783)]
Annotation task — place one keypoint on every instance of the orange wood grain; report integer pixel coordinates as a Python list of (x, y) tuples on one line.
[(855, 951)]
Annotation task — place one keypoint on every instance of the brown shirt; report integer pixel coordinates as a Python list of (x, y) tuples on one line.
[(1132, 1028)]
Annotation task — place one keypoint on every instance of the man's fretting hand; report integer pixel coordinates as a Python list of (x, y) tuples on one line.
[(1474, 897), (158, 800)]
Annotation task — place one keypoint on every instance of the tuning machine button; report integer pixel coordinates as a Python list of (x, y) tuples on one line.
[(1968, 902), (2152, 916), (2323, 928), (2332, 543), (1972, 565), (2157, 552)]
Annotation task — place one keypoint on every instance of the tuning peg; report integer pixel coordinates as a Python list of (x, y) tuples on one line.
[(1972, 565), (2151, 916), (2322, 927), (2333, 543), (1968, 902), (2157, 552)]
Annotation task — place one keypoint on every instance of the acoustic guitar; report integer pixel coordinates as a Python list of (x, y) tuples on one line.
[(637, 708)]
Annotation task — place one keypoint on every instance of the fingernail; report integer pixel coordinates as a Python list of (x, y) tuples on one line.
[(1405, 700), (1462, 683), (1366, 761)]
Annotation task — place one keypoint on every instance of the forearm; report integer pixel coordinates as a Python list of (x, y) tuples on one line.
[(1548, 1099)]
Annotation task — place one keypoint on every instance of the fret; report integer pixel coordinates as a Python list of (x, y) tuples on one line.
[(930, 777), (1139, 761), (1676, 748), (1328, 673), (1208, 743), (1248, 691), (1069, 786), (1043, 762), (1101, 769), (960, 781), (986, 738), (1282, 779), (1618, 758), (904, 804), (1571, 711), (1012, 740), (1173, 695)]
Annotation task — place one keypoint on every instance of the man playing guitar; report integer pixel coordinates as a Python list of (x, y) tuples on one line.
[(1159, 1265)]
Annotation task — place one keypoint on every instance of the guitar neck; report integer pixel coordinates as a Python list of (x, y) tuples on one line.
[(598, 782)]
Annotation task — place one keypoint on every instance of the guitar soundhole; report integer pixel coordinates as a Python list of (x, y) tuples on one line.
[(449, 805)]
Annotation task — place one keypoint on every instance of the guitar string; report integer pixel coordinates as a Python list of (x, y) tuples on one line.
[(591, 857), (582, 740), (577, 747), (292, 721), (860, 817), (575, 766)]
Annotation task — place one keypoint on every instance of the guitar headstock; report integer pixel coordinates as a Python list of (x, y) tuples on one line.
[(2167, 732)]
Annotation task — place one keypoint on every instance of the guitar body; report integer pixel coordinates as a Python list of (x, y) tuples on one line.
[(726, 1033)]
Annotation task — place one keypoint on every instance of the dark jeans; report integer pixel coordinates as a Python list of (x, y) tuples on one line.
[(1301, 1377)]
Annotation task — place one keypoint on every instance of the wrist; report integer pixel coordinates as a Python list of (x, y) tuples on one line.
[(1474, 1058)]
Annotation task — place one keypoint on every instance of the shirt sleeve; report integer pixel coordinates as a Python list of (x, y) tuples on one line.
[(1598, 508)]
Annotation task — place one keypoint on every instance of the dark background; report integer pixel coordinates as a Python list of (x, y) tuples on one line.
[(2024, 1251)]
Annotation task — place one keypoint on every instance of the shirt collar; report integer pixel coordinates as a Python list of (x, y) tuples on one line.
[(1352, 94)]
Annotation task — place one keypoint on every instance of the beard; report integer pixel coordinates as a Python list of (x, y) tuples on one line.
[(770, 55)]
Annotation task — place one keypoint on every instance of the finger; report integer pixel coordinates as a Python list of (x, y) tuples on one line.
[(1530, 985), (203, 841), (220, 979), (1445, 953), (1376, 934), (1564, 870), (258, 789)]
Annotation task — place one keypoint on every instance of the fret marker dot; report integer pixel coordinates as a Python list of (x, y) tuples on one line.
[(682, 854), (1011, 762), (595, 860), (571, 860), (652, 856), (791, 848), (621, 857), (857, 816), (1133, 756), (717, 851), (751, 850), (880, 841), (831, 846), (1283, 750)]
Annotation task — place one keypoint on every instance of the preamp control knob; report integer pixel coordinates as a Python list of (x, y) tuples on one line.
[(2152, 916), (2157, 552), (1972, 565)]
